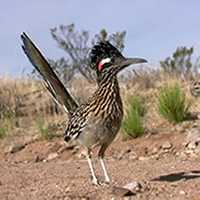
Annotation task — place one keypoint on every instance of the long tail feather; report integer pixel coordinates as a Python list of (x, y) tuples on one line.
[(54, 85)]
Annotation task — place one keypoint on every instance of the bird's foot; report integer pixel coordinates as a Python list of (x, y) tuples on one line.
[(99, 183), (96, 182), (107, 182)]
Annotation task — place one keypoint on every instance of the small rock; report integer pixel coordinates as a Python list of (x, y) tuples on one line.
[(183, 192), (197, 150), (38, 158), (84, 198), (167, 145), (16, 147), (120, 191), (132, 156), (52, 156), (156, 149), (128, 189), (133, 186), (154, 132), (142, 158), (191, 145), (126, 150), (193, 138), (177, 128), (126, 198)]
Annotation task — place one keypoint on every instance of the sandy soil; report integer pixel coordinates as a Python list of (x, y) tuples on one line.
[(162, 164)]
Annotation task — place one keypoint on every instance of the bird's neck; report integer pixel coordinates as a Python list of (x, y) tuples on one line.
[(109, 84), (106, 102)]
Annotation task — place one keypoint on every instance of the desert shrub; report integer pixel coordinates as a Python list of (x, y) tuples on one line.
[(46, 131), (132, 125), (182, 63), (172, 104), (75, 44)]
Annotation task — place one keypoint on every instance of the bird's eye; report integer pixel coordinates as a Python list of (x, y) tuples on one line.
[(112, 60)]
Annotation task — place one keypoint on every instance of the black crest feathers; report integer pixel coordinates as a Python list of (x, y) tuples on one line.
[(101, 51)]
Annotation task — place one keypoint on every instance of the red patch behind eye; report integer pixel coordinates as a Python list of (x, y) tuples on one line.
[(100, 65), (102, 62)]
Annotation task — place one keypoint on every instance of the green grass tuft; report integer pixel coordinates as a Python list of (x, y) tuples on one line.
[(172, 104), (132, 125)]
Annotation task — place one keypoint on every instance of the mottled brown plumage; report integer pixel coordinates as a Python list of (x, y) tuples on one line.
[(96, 122)]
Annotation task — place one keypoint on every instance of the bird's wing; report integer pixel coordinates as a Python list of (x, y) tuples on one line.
[(54, 85)]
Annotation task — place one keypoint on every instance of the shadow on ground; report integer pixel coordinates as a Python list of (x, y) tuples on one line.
[(173, 177)]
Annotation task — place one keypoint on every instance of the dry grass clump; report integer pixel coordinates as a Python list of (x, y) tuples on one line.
[(22, 103), (24, 97)]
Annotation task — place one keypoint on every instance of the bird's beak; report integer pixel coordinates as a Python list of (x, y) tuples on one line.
[(129, 61)]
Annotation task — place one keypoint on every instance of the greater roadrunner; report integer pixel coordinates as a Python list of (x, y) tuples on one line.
[(96, 122)]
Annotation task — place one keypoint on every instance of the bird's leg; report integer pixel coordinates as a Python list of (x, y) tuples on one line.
[(95, 180), (107, 179), (101, 156)]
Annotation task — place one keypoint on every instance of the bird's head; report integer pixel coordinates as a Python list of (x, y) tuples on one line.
[(106, 59)]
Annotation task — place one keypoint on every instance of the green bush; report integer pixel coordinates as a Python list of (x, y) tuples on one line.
[(132, 125), (172, 104)]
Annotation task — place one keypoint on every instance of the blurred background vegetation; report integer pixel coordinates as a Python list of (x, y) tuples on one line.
[(26, 108)]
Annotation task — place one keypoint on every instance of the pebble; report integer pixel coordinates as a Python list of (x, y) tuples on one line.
[(191, 145), (193, 138), (52, 156), (126, 150), (123, 153), (133, 186), (156, 149), (84, 198), (128, 189), (183, 192), (142, 158), (120, 191), (167, 145)]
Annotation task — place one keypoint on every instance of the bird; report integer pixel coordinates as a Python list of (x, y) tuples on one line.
[(96, 122)]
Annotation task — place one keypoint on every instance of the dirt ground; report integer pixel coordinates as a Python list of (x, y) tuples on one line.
[(161, 163)]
